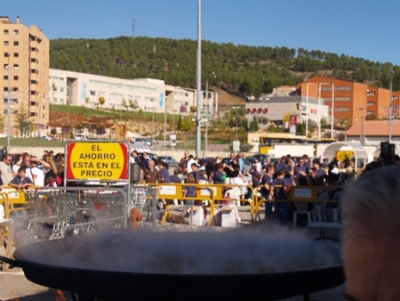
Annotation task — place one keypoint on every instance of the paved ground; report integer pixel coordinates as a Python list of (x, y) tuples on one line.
[(14, 284)]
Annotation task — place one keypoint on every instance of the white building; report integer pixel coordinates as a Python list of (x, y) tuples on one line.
[(81, 89), (275, 108)]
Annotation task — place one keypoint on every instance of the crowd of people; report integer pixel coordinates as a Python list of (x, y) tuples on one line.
[(272, 180), (26, 171)]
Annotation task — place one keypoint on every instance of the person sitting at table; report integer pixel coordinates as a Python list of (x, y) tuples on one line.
[(20, 181)]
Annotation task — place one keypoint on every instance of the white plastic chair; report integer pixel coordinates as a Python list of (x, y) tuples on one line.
[(301, 208)]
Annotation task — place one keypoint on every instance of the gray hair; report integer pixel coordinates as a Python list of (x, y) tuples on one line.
[(372, 199)]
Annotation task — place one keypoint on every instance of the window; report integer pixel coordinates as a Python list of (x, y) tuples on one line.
[(5, 31), (16, 77), (6, 54), (33, 103), (5, 66), (61, 89), (370, 103), (54, 99), (5, 89), (16, 54), (16, 43), (16, 31), (93, 93), (15, 89), (5, 77), (12, 100), (16, 66), (6, 43)]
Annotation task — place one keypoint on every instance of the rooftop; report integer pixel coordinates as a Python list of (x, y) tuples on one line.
[(375, 128)]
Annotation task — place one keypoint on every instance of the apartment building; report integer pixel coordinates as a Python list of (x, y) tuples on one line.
[(350, 102), (24, 74)]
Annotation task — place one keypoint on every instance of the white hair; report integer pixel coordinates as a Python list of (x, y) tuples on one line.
[(372, 199)]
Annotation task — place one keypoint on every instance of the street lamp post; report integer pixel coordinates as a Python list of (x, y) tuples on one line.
[(152, 124), (8, 107), (198, 80), (390, 106), (236, 121), (333, 110), (207, 114), (165, 123), (206, 135)]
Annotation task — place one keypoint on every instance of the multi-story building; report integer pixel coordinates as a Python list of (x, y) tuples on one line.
[(350, 102), (152, 95), (24, 74), (275, 109)]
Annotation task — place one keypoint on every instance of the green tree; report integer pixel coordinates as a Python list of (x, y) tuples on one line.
[(24, 123), (184, 124), (125, 104), (372, 117), (254, 125)]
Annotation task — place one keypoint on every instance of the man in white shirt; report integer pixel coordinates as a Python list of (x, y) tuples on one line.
[(6, 172), (35, 173), (189, 164)]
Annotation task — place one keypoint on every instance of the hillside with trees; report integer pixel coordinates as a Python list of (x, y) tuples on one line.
[(241, 70)]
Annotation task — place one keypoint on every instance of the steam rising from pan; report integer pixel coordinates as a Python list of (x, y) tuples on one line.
[(244, 251)]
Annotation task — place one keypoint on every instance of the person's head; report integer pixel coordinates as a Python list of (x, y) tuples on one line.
[(316, 164), (150, 164), (34, 161), (270, 169), (7, 159), (21, 172), (371, 237), (219, 166), (281, 173), (177, 171), (26, 160), (186, 154), (235, 173), (301, 162), (134, 154), (161, 164)]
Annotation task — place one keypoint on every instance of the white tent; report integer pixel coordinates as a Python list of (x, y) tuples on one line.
[(360, 154)]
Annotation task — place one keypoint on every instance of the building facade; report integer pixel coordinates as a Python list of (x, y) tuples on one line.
[(152, 95), (276, 108), (350, 102), (24, 75)]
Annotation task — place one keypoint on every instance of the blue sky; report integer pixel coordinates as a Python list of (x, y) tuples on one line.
[(366, 29)]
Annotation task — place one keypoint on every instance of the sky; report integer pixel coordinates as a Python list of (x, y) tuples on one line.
[(366, 29)]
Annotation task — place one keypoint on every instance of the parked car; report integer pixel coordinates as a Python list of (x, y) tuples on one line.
[(169, 160), (48, 138), (145, 140)]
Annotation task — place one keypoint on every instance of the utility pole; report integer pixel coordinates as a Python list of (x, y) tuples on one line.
[(8, 107), (198, 77), (390, 105)]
